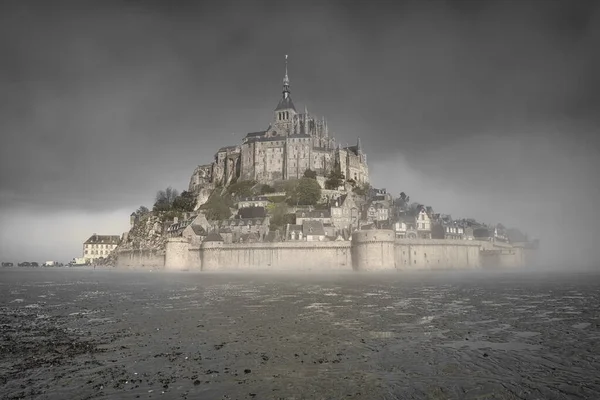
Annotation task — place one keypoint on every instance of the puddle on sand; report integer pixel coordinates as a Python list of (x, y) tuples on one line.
[(316, 305), (581, 325), (526, 334), (381, 335), (485, 321), (477, 345)]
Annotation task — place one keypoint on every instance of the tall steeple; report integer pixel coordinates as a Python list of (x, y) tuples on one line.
[(286, 102), (286, 81)]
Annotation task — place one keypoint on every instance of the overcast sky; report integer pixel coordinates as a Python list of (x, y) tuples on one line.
[(480, 109)]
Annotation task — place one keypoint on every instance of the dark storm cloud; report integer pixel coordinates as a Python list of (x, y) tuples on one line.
[(105, 105)]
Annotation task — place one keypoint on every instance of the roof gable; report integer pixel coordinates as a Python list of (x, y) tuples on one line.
[(285, 104), (103, 239)]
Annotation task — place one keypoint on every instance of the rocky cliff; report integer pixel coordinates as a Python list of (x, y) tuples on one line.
[(147, 233)]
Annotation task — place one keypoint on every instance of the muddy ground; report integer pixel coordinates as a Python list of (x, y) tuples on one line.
[(85, 334)]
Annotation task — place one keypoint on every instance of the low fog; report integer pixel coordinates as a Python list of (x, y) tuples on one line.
[(484, 110)]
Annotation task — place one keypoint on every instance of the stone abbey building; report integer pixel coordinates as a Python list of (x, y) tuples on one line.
[(292, 143)]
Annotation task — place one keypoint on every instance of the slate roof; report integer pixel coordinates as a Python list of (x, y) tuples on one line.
[(313, 214), (198, 230), (353, 149), (255, 134), (285, 103), (294, 227), (252, 212), (313, 228), (243, 221), (226, 148), (213, 237), (103, 239)]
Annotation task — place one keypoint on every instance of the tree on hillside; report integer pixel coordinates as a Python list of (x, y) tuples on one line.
[(402, 202), (414, 209), (185, 202), (241, 189), (142, 211), (266, 189), (334, 179), (515, 235), (309, 173), (280, 216), (216, 208), (362, 190), (304, 192), (438, 232), (165, 198)]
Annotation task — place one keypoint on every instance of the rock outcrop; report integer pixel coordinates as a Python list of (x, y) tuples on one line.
[(147, 233)]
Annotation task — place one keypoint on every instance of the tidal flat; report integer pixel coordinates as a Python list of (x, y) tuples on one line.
[(109, 334)]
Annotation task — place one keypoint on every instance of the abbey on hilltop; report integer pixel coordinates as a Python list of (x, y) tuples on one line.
[(293, 143)]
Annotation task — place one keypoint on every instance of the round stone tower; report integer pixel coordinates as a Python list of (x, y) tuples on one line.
[(210, 252), (373, 250), (176, 254)]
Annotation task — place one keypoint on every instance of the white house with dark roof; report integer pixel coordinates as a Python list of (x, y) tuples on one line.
[(99, 246), (313, 231), (308, 231)]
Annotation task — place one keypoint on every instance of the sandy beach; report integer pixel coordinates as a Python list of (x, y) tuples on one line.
[(107, 334)]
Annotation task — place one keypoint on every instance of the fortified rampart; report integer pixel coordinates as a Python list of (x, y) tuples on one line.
[(128, 258), (369, 250)]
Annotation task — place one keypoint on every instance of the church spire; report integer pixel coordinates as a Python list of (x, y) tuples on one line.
[(286, 80), (286, 101)]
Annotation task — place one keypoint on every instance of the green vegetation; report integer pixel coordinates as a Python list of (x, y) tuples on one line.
[(280, 216), (164, 199), (277, 199), (220, 202), (334, 179), (217, 207), (303, 192), (241, 189), (266, 189), (185, 202), (143, 210), (169, 204), (362, 190), (309, 173)]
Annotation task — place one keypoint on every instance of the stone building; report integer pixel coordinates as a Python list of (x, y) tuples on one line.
[(99, 246), (345, 212), (292, 143)]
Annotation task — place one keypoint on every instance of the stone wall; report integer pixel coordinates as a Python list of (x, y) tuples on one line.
[(127, 258), (369, 250), (419, 254), (284, 256)]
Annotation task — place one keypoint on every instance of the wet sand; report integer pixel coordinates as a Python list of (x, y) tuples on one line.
[(101, 334)]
